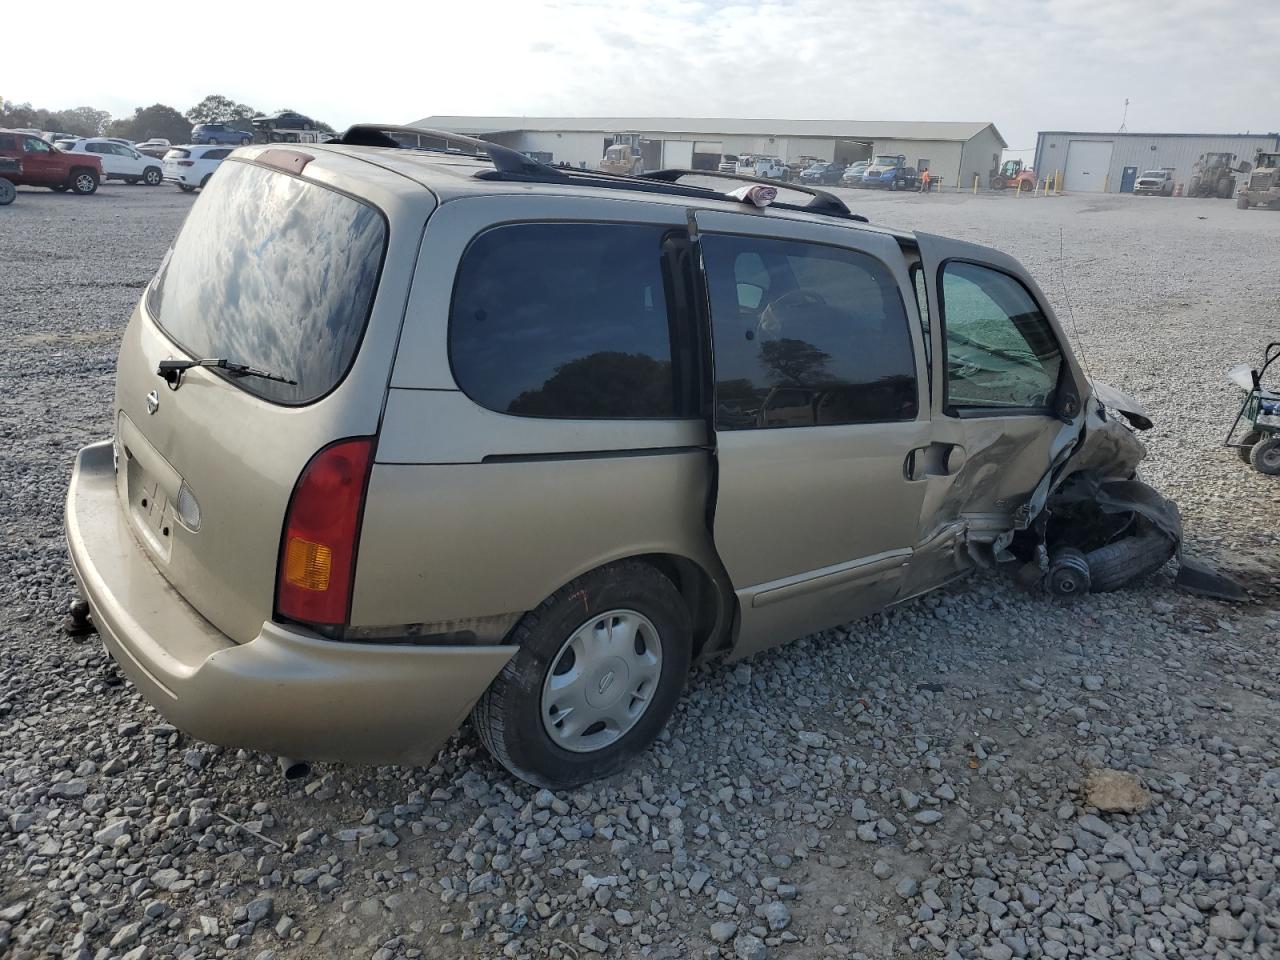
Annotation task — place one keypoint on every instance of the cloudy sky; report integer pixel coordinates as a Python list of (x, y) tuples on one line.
[(1067, 64)]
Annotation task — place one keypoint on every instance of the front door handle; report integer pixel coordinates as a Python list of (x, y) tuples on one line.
[(935, 460)]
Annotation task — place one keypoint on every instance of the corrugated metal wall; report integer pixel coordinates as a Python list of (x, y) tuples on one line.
[(1149, 151)]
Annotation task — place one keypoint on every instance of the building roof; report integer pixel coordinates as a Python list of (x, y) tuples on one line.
[(1112, 134), (835, 129)]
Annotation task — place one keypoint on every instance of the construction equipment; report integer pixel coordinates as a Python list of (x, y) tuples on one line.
[(1259, 445), (1263, 188), (622, 158), (1214, 176), (1013, 175)]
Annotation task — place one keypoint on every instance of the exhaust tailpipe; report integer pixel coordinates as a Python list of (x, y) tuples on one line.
[(293, 769)]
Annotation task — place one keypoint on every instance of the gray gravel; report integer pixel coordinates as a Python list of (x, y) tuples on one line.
[(911, 785)]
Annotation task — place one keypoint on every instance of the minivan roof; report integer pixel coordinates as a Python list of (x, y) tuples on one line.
[(450, 175)]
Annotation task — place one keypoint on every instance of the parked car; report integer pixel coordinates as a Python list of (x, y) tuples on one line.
[(191, 167), (852, 176), (747, 164), (771, 168), (1154, 183), (889, 172), (219, 133), (119, 162), (280, 557), (42, 165), (285, 120), (829, 173), (156, 147), (728, 163)]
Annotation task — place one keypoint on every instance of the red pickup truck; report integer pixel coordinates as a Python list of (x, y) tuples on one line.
[(45, 166)]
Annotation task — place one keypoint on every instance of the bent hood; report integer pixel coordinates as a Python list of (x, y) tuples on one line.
[(1115, 399)]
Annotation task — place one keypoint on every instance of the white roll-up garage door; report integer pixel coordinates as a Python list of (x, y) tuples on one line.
[(1087, 164), (677, 154)]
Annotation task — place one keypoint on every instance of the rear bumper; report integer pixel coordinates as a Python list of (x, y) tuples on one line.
[(287, 691)]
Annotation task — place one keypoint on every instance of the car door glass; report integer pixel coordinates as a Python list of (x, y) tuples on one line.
[(568, 321), (806, 335), (1001, 351), (35, 145), (922, 305)]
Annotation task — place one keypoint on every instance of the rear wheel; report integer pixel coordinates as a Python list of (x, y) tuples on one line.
[(1265, 455), (599, 669), (185, 188), (205, 181), (245, 141), (7, 192), (130, 180), (152, 176), (998, 183), (84, 182)]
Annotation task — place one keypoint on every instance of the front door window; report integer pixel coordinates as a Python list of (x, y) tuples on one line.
[(1001, 352)]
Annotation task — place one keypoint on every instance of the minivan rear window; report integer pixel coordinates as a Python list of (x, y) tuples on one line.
[(275, 272)]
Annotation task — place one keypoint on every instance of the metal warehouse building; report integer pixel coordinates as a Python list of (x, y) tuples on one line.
[(1110, 162), (954, 151)]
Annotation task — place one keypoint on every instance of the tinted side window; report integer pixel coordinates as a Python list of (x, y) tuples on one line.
[(566, 320), (215, 154), (1001, 351), (806, 335), (8, 141)]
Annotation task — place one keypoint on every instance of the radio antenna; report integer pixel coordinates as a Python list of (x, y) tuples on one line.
[(1071, 310)]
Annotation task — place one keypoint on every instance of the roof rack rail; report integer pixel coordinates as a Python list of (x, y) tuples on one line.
[(821, 202), (511, 165), (507, 163)]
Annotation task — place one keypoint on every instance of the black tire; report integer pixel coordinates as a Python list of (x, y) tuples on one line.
[(84, 182), (1265, 455), (8, 192), (131, 180), (185, 188), (205, 182), (152, 176), (245, 141), (1248, 441), (508, 715), (1129, 560)]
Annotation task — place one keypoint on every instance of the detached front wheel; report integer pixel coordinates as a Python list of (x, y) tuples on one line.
[(600, 667)]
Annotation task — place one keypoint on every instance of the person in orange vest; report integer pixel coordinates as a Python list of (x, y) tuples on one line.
[(926, 182)]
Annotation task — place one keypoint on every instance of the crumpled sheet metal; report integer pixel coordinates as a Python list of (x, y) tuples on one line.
[(1123, 496)]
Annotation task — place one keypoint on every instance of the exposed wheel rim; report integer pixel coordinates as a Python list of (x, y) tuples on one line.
[(152, 178), (601, 681), (84, 183)]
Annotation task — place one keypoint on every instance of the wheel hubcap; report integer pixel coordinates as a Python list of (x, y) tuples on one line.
[(85, 182), (602, 681), (1271, 457)]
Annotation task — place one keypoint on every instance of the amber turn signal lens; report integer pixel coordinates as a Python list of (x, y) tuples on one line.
[(307, 564)]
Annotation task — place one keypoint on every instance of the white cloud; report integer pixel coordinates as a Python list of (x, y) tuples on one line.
[(1026, 66)]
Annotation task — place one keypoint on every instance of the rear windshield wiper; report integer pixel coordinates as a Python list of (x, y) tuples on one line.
[(172, 370)]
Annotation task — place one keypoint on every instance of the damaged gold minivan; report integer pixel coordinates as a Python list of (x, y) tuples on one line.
[(407, 435)]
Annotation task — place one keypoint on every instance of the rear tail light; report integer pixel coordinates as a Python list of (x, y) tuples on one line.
[(186, 163), (318, 550)]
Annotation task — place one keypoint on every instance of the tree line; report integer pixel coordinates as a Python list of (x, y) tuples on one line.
[(158, 120)]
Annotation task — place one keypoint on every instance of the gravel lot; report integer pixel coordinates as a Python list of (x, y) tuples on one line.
[(909, 785)]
